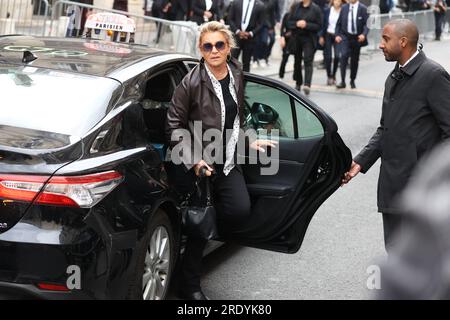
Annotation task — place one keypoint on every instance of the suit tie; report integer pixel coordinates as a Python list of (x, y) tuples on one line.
[(244, 21), (352, 20)]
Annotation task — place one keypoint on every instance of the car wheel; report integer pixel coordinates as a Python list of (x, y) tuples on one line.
[(155, 262)]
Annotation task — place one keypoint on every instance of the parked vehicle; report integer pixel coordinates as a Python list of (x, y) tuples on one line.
[(87, 209)]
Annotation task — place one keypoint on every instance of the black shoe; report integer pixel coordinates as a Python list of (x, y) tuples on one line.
[(198, 295), (341, 85), (352, 84), (297, 87)]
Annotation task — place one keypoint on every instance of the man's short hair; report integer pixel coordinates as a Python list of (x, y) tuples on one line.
[(406, 28)]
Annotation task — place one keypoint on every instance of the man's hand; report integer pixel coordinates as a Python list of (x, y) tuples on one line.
[(201, 164), (207, 14), (361, 38), (282, 42), (322, 41), (243, 35), (338, 39), (166, 8), (260, 143), (354, 170), (301, 24)]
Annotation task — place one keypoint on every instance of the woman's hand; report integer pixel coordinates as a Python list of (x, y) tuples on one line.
[(260, 143), (201, 164)]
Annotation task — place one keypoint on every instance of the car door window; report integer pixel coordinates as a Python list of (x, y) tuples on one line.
[(284, 201), (307, 122), (268, 108)]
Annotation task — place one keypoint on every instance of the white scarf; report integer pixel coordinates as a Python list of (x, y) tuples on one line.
[(231, 145)]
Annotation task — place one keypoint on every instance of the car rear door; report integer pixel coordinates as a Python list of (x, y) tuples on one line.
[(312, 159)]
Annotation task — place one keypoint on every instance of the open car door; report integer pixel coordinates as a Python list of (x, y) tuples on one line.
[(312, 160)]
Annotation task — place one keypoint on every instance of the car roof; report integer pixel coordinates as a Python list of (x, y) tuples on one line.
[(80, 55)]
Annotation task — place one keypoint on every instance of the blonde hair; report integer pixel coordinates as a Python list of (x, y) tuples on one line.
[(215, 26)]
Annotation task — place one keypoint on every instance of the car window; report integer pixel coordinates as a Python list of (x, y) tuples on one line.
[(307, 122), (268, 108)]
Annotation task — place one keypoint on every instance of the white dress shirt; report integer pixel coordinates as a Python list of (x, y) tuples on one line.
[(208, 4), (332, 20), (246, 14), (355, 17), (409, 60)]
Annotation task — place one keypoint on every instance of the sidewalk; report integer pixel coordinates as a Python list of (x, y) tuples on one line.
[(371, 63)]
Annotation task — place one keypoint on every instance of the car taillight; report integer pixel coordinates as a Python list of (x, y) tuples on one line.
[(52, 287), (75, 191)]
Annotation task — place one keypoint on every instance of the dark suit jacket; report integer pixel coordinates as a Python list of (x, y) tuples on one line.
[(199, 7), (361, 22), (326, 19), (272, 13), (414, 118), (256, 19), (313, 17), (179, 9)]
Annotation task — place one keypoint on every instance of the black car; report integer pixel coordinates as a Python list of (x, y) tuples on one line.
[(87, 209)]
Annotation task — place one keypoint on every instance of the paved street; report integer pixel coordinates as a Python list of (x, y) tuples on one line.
[(345, 236)]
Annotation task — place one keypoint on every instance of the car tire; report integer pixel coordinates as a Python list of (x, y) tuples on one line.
[(155, 260)]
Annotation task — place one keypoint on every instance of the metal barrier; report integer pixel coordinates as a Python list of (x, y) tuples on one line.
[(56, 17), (178, 36), (23, 16), (424, 20)]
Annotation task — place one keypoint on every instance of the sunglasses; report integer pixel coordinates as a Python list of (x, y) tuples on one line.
[(219, 45)]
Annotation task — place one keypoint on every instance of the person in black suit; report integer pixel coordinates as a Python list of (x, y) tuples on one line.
[(327, 39), (246, 18), (285, 38), (306, 22), (179, 10), (204, 11), (351, 35), (415, 117)]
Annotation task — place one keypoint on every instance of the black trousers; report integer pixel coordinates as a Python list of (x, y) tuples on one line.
[(331, 62), (284, 60), (392, 224), (349, 48), (232, 204), (305, 49), (439, 19), (246, 47)]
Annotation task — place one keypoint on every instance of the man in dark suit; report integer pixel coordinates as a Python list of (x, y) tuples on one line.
[(201, 13), (415, 117), (179, 10), (351, 35), (305, 21), (246, 18)]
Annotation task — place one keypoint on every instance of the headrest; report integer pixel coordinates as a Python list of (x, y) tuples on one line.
[(159, 88)]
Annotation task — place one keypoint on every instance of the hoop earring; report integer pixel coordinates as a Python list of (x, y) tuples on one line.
[(229, 57)]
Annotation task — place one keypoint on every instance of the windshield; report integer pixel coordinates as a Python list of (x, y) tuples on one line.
[(53, 101)]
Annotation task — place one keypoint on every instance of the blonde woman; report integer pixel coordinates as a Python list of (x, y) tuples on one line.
[(213, 93)]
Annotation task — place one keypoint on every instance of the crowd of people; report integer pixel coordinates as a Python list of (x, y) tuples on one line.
[(336, 27)]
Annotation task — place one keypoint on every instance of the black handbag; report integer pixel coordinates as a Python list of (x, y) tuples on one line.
[(200, 222)]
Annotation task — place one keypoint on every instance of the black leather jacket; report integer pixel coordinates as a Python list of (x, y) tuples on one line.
[(195, 100)]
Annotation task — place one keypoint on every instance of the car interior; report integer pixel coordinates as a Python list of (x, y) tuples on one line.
[(299, 155)]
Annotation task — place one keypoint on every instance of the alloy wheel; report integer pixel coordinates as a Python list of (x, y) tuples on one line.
[(156, 265)]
